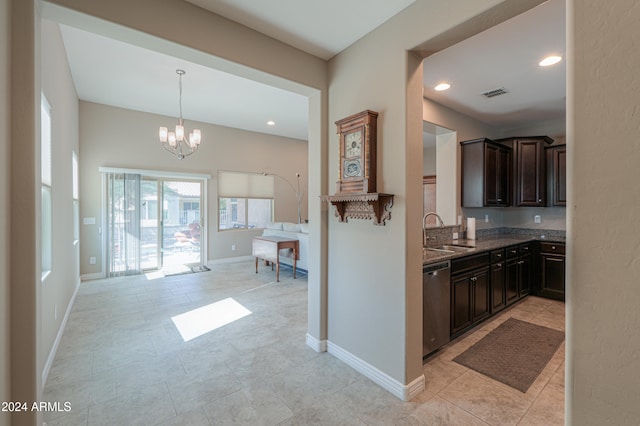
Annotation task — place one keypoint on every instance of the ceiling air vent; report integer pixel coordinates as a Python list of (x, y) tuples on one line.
[(495, 92)]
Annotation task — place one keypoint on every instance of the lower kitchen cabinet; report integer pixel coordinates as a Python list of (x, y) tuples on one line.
[(485, 283), (518, 272), (470, 298), (552, 270), (498, 282)]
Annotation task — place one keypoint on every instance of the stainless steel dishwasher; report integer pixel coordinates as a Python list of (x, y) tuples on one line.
[(436, 311)]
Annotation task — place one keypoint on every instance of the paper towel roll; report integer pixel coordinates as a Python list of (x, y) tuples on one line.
[(471, 228)]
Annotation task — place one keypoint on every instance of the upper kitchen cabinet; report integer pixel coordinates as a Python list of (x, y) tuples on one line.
[(486, 170), (529, 171), (556, 175)]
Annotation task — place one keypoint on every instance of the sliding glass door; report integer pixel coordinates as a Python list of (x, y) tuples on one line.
[(153, 223), (123, 219), (181, 224)]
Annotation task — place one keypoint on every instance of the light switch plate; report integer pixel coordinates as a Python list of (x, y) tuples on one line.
[(537, 218)]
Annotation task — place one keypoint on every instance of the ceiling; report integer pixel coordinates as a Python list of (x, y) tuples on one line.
[(505, 56), (115, 73), (331, 29)]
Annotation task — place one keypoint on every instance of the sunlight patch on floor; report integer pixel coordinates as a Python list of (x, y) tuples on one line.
[(202, 320)]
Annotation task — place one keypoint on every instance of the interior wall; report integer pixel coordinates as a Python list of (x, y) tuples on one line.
[(239, 49), (60, 285), (429, 157), (448, 178), (103, 143), (24, 205), (468, 128), (374, 272), (5, 228), (603, 261), (449, 153)]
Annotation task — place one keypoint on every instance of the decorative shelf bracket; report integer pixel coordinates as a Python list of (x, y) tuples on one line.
[(374, 206)]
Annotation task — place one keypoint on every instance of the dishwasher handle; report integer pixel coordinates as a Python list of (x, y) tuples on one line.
[(432, 270)]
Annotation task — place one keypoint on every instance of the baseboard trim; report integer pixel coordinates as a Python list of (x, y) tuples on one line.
[(94, 276), (397, 389), (212, 262), (315, 344), (56, 343)]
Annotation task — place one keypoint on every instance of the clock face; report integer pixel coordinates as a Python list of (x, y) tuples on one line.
[(353, 144), (352, 168)]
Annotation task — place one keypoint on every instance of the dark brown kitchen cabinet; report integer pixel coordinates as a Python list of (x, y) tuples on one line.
[(552, 270), (498, 283), (470, 299), (486, 173), (556, 175), (470, 291), (518, 272), (529, 170)]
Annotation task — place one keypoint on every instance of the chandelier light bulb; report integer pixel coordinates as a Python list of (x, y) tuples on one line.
[(163, 134), (180, 132)]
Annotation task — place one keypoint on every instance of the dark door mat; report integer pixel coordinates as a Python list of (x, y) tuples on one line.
[(515, 353)]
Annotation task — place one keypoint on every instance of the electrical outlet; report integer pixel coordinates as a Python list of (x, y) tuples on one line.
[(537, 218), (486, 218), (233, 247), (92, 260)]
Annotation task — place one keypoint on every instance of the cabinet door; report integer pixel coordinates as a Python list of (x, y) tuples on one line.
[(557, 175), (481, 296), (496, 175), (498, 290), (511, 278), (530, 177), (460, 302), (503, 173), (524, 275), (552, 275), (491, 166)]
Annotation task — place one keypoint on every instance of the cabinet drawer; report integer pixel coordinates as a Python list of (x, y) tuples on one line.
[(469, 262), (525, 249), (557, 248), (512, 252), (497, 256)]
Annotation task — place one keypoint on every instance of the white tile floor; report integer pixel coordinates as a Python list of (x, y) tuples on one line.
[(122, 361)]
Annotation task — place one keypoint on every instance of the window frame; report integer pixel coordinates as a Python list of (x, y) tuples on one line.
[(46, 185), (247, 202)]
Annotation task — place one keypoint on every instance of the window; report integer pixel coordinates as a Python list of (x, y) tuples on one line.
[(245, 200), (46, 202), (76, 198), (245, 213)]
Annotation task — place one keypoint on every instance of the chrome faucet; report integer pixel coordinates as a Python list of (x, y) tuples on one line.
[(425, 238)]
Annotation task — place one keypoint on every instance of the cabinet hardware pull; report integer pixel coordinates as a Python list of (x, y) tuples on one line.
[(553, 247)]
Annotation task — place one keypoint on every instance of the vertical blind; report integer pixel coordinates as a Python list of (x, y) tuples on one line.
[(123, 238)]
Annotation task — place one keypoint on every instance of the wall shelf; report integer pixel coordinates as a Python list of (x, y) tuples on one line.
[(374, 205)]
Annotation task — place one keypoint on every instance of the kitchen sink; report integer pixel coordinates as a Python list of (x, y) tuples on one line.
[(451, 248)]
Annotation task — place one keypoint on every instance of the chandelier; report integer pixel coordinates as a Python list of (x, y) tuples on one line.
[(176, 142)]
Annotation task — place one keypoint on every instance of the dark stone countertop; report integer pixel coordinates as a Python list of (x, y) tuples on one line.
[(483, 244)]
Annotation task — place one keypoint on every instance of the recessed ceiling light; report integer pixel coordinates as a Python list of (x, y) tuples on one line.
[(271, 123), (442, 86), (550, 60)]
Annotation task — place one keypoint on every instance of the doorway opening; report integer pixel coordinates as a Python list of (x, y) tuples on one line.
[(439, 171)]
